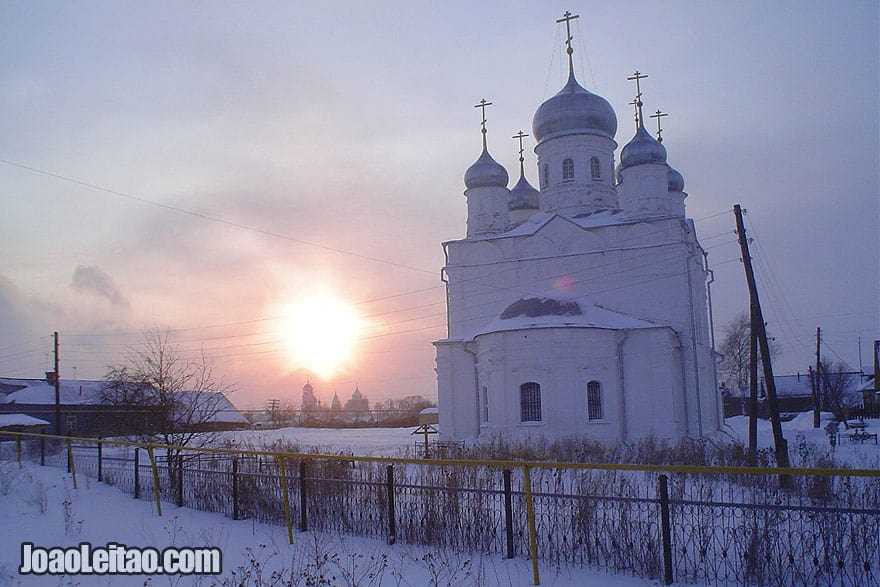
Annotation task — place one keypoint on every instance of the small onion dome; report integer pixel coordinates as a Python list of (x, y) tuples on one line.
[(485, 173), (642, 149), (574, 110), (523, 196), (675, 179)]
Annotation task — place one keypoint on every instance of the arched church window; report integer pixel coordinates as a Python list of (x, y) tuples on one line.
[(567, 169), (545, 175), (594, 400), (484, 401), (530, 402), (594, 168)]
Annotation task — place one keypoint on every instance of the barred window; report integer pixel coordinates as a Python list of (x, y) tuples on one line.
[(484, 400), (594, 168), (530, 402), (567, 169), (594, 400)]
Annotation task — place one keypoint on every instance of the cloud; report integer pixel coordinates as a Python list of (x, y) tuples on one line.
[(95, 281)]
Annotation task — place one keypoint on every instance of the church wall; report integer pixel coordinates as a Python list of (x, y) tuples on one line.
[(582, 193), (562, 361), (456, 391), (655, 401), (651, 270), (617, 279)]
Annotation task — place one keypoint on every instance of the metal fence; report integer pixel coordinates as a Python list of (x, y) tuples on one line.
[(692, 524)]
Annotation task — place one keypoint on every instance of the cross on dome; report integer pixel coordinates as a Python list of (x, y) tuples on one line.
[(658, 115), (482, 105), (638, 101), (567, 18), (521, 135)]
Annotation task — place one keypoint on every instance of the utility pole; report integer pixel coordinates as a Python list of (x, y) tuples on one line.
[(759, 330), (57, 389), (817, 387)]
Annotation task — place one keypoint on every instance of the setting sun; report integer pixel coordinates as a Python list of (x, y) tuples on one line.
[(321, 334)]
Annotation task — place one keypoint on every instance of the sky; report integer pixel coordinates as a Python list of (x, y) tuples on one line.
[(208, 168)]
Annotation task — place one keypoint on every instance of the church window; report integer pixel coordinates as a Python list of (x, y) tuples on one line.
[(594, 400), (545, 175), (530, 402), (484, 400), (594, 168), (567, 169)]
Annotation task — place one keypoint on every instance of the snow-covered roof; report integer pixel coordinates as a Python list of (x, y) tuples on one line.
[(209, 406), (540, 219), (556, 310), (38, 391), (214, 407), (7, 420), (798, 386)]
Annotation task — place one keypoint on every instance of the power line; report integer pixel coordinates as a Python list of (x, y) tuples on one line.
[(216, 219)]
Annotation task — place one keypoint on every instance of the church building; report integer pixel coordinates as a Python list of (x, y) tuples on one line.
[(579, 308)]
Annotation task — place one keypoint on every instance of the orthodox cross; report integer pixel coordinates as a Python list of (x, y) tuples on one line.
[(638, 76), (658, 115), (567, 18), (635, 104), (482, 105), (520, 135)]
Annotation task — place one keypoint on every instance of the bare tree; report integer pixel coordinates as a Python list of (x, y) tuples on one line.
[(835, 388), (735, 348), (181, 396)]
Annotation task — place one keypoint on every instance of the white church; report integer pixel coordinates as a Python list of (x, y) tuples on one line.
[(580, 308)]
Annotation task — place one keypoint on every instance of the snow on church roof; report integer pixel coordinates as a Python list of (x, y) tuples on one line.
[(558, 311)]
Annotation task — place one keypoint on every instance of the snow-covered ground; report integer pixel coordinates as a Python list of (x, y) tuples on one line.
[(854, 455), (39, 505), (359, 441)]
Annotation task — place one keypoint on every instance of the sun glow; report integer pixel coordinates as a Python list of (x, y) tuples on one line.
[(321, 333)]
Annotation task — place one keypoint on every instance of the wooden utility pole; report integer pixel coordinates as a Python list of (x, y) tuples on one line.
[(57, 389), (759, 330), (817, 386)]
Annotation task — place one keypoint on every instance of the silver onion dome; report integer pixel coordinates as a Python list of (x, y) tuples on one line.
[(642, 149), (523, 196), (574, 110), (675, 180), (485, 173)]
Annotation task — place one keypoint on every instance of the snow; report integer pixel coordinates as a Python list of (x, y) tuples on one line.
[(861, 456), (41, 504), (20, 420), (374, 442), (38, 391), (589, 316)]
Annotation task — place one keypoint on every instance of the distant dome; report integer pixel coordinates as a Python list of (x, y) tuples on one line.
[(533, 306), (308, 387), (357, 394), (574, 110), (485, 173), (675, 180), (642, 149), (523, 196)]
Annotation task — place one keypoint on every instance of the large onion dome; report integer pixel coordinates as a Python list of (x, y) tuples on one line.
[(485, 173), (675, 180), (523, 196), (574, 110), (642, 149)]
